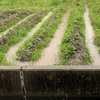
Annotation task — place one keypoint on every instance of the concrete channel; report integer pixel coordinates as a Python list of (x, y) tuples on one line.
[(50, 82)]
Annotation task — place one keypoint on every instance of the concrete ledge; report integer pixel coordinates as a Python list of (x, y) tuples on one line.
[(50, 68), (47, 81)]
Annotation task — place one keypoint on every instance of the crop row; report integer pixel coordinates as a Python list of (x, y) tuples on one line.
[(33, 48), (6, 14), (17, 34), (12, 20), (94, 7), (73, 50)]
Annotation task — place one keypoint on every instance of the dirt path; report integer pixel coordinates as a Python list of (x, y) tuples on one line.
[(11, 54), (50, 53), (11, 28), (90, 39)]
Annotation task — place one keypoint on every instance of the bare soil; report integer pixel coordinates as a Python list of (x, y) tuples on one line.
[(25, 55), (50, 53), (11, 28), (76, 58), (10, 19), (90, 39), (11, 54), (6, 14)]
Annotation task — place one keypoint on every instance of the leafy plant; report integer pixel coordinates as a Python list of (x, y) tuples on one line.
[(34, 46), (73, 42), (94, 9), (16, 35)]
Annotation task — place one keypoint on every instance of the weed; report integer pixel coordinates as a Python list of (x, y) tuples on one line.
[(17, 35), (72, 49), (94, 6), (12, 20), (41, 39)]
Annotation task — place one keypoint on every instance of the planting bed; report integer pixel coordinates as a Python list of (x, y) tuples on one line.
[(17, 34), (73, 50), (12, 20), (6, 14), (33, 48), (94, 9)]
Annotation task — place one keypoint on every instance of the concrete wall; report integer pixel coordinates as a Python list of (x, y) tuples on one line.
[(43, 83)]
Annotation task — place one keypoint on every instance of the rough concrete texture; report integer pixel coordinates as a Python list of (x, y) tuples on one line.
[(50, 84)]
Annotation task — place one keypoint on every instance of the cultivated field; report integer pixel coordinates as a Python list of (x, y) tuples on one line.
[(49, 32)]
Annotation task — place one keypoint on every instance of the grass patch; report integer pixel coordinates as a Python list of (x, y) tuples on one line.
[(73, 50), (31, 5), (58, 2)]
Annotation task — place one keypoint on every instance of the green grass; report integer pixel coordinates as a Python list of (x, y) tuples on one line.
[(94, 8), (72, 49), (41, 39), (15, 37), (31, 5)]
